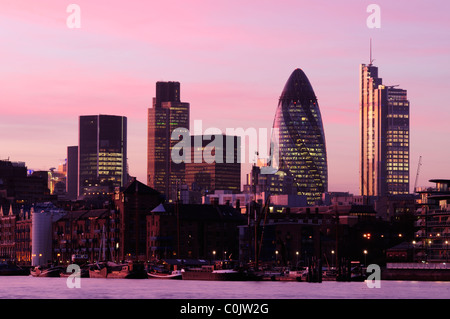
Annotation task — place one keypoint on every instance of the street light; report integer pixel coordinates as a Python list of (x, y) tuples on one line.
[(365, 257), (276, 256), (446, 250)]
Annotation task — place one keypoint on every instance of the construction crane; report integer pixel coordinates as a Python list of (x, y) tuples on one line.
[(418, 171)]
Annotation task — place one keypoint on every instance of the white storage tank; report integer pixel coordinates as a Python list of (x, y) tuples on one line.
[(41, 229)]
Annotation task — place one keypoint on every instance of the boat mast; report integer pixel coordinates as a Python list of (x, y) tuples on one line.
[(177, 208), (103, 250)]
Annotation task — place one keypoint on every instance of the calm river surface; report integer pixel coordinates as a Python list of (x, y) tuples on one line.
[(28, 287)]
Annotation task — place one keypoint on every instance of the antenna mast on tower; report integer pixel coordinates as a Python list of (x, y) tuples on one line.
[(370, 56)]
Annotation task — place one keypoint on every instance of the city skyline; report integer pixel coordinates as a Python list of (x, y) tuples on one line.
[(228, 62)]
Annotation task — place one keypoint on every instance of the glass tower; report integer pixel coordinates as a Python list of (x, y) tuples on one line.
[(167, 114), (384, 129), (302, 149), (102, 154)]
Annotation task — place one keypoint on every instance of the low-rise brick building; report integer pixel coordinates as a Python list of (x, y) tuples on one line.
[(193, 231), (93, 233)]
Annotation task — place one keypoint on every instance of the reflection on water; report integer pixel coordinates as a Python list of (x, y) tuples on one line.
[(91, 288)]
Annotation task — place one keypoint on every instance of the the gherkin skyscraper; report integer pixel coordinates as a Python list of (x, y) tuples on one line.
[(302, 149)]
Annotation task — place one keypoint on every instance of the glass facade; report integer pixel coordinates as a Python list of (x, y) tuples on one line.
[(166, 115), (302, 146), (397, 142), (102, 153), (384, 128)]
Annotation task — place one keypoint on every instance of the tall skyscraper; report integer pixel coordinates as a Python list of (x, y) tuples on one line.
[(167, 114), (384, 129), (102, 154), (302, 149)]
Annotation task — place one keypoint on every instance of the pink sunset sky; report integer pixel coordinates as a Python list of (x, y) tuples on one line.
[(232, 59)]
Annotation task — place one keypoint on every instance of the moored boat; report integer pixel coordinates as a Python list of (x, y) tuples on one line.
[(9, 268), (98, 271), (40, 271), (209, 273), (84, 273), (175, 274), (223, 270), (130, 270)]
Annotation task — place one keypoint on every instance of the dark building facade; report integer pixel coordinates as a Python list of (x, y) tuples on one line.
[(15, 234), (302, 148), (221, 173), (278, 183), (102, 154), (432, 238), (20, 187), (193, 231), (94, 233), (167, 114), (384, 129), (72, 173), (133, 204)]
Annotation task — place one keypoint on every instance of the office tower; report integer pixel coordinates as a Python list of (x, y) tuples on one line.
[(102, 154), (72, 173), (384, 129), (167, 114), (222, 173), (302, 149)]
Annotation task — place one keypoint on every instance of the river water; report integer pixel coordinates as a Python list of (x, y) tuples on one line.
[(28, 287)]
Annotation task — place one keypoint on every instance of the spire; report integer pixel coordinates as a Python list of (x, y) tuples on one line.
[(370, 56), (10, 211)]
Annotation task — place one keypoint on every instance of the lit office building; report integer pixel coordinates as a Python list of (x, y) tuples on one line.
[(102, 154), (302, 149), (167, 114), (384, 129)]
